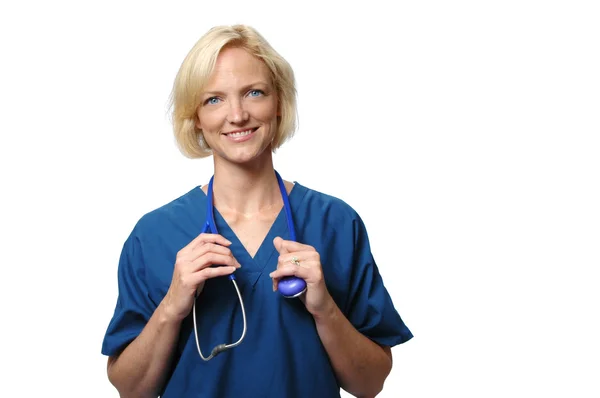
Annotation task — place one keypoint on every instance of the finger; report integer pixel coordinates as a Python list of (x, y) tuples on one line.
[(307, 260), (298, 259), (288, 246), (204, 248), (292, 270), (210, 258), (217, 239), (206, 238), (278, 243), (208, 273)]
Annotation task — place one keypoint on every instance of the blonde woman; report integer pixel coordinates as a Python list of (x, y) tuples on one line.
[(307, 312)]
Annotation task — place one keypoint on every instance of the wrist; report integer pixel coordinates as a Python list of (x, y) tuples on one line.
[(166, 315), (328, 312)]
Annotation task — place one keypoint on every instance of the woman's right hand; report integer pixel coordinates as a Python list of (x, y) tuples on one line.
[(193, 268)]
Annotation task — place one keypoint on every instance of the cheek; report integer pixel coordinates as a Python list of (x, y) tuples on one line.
[(266, 113), (209, 119)]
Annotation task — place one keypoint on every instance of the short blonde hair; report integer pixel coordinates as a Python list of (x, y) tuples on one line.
[(196, 70)]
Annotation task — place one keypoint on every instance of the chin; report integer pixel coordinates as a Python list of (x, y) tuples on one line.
[(246, 155), (243, 158)]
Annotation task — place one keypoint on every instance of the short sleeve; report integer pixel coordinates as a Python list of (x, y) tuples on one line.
[(369, 306), (134, 306)]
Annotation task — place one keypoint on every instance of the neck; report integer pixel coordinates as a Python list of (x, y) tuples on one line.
[(245, 189)]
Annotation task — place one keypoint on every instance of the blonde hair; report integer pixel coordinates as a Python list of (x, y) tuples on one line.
[(196, 70)]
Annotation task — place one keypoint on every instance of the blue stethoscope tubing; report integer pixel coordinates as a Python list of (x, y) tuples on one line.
[(289, 287)]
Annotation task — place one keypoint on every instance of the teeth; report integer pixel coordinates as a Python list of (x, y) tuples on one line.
[(240, 134)]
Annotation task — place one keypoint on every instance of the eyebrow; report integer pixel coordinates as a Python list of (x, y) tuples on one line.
[(244, 88)]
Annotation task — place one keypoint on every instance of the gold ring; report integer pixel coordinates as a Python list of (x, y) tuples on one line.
[(295, 261)]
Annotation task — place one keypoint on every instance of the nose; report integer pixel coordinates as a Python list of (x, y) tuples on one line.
[(237, 113)]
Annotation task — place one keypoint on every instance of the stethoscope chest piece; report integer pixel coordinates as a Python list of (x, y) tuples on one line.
[(291, 287)]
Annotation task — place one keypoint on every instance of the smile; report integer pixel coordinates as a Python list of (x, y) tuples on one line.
[(243, 133)]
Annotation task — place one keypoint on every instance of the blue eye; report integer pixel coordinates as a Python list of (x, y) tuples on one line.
[(255, 93), (212, 101)]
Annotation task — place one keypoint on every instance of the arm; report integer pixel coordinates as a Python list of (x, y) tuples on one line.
[(140, 370), (360, 365)]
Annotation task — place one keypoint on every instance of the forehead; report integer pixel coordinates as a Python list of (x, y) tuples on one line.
[(236, 66)]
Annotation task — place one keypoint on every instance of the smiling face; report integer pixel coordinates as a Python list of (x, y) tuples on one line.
[(238, 108)]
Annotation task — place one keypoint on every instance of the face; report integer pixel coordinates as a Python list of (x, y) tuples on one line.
[(238, 108)]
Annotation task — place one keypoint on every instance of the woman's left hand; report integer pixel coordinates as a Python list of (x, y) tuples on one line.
[(317, 299)]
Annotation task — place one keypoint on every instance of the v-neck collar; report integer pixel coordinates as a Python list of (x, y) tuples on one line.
[(255, 266)]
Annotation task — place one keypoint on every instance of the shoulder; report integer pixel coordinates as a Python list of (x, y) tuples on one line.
[(179, 211), (329, 212), (328, 205)]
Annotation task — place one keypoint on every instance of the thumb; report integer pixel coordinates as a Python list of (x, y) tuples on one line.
[(279, 246)]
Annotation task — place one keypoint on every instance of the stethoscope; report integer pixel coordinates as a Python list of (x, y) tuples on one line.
[(289, 287)]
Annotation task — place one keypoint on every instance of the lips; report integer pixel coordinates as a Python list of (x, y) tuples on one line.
[(241, 133)]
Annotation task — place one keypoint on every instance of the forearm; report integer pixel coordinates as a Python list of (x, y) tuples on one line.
[(360, 365), (141, 369)]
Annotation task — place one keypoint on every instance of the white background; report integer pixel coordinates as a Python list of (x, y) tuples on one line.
[(465, 133)]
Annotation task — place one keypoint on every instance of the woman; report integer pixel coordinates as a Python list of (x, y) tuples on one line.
[(234, 99)]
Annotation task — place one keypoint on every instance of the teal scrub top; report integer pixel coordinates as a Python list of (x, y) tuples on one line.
[(281, 355)]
